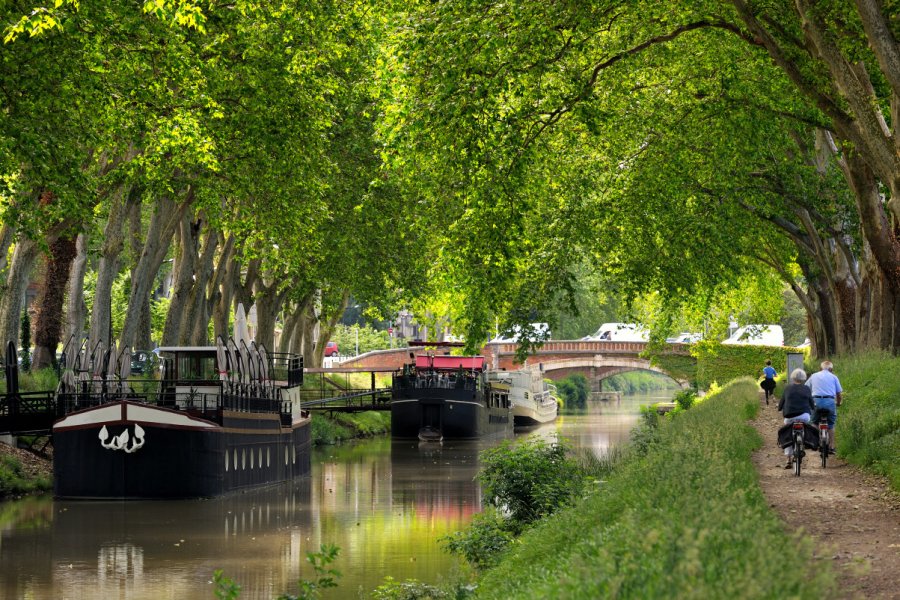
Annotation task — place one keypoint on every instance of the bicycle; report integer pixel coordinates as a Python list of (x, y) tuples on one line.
[(797, 436), (824, 434)]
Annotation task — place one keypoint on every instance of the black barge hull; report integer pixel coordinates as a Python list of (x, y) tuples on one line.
[(128, 450), (457, 414)]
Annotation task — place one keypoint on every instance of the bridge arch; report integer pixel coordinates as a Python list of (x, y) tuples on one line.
[(601, 367)]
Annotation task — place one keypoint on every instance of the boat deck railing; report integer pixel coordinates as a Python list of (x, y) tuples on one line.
[(434, 380)]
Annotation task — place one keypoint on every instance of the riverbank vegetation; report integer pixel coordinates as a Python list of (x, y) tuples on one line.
[(868, 426), (22, 472), (681, 517), (339, 427), (639, 382), (574, 390)]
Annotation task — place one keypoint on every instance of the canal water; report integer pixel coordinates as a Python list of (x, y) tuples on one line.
[(384, 504)]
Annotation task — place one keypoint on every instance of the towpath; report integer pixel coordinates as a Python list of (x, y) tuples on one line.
[(853, 516)]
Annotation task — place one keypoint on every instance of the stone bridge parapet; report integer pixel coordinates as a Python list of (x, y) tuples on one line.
[(558, 359)]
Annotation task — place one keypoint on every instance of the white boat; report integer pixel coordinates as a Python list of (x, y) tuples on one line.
[(533, 400)]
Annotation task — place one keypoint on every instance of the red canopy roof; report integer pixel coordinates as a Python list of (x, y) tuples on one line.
[(450, 363)]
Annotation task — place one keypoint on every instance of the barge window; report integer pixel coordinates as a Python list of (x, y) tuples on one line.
[(193, 367), (226, 461), (243, 459), (235, 459), (251, 459), (268, 457)]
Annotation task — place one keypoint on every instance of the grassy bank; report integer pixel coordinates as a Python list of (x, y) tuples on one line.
[(683, 518), (328, 429), (868, 426)]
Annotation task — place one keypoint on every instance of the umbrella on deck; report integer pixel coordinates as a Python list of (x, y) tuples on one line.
[(124, 367), (108, 370), (244, 352), (95, 366), (264, 367), (67, 382), (241, 330), (233, 365), (221, 360)]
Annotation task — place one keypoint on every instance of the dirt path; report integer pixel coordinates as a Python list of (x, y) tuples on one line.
[(862, 532)]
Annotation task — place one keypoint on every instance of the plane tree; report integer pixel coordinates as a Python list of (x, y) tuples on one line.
[(489, 94)]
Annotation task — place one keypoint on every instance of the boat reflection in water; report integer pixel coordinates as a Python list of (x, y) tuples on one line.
[(157, 549), (437, 479)]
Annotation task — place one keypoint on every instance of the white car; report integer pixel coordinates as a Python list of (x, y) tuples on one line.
[(685, 338), (542, 330), (620, 332), (757, 335)]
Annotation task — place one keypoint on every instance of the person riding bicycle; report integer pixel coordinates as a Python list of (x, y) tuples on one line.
[(796, 404), (827, 394), (768, 382)]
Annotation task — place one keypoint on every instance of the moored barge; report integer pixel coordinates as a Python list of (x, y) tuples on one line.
[(447, 397), (222, 418)]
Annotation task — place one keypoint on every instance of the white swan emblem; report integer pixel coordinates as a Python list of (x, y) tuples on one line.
[(120, 442)]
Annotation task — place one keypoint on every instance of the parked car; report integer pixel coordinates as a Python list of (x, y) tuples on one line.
[(331, 349), (685, 338), (757, 335), (620, 332), (143, 362), (540, 330)]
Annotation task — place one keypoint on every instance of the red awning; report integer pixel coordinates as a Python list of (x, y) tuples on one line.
[(450, 363)]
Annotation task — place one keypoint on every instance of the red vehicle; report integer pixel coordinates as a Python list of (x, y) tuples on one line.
[(331, 349)]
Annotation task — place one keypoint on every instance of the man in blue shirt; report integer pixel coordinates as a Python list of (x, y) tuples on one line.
[(827, 393), (768, 382)]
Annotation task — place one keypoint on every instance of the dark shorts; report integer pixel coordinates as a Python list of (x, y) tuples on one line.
[(767, 384)]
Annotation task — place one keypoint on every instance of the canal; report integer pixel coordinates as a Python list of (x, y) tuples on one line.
[(384, 504)]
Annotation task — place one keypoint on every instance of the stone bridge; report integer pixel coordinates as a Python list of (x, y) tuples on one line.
[(558, 359)]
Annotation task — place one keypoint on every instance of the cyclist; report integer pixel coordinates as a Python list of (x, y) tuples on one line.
[(827, 394), (768, 382), (796, 404)]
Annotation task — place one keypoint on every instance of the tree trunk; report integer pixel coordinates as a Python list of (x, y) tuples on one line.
[(107, 270), (12, 294), (165, 219), (48, 314), (76, 311), (196, 328), (216, 293), (268, 303), (135, 225), (185, 261)]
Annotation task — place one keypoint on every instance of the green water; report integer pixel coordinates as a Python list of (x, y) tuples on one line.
[(384, 504)]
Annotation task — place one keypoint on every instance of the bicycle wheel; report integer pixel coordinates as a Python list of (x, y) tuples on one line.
[(798, 453), (823, 448)]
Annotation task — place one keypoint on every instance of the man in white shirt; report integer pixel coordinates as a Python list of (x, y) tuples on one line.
[(827, 393)]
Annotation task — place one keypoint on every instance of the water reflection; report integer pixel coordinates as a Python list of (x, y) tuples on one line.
[(384, 504)]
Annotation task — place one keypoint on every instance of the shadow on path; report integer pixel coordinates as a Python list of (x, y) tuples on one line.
[(853, 516)]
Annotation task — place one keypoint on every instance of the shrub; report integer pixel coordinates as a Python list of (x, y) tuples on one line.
[(483, 542), (529, 479), (412, 589), (685, 399)]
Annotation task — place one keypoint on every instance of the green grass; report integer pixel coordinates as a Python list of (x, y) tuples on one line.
[(685, 518), (14, 480), (35, 381), (345, 426), (868, 425)]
